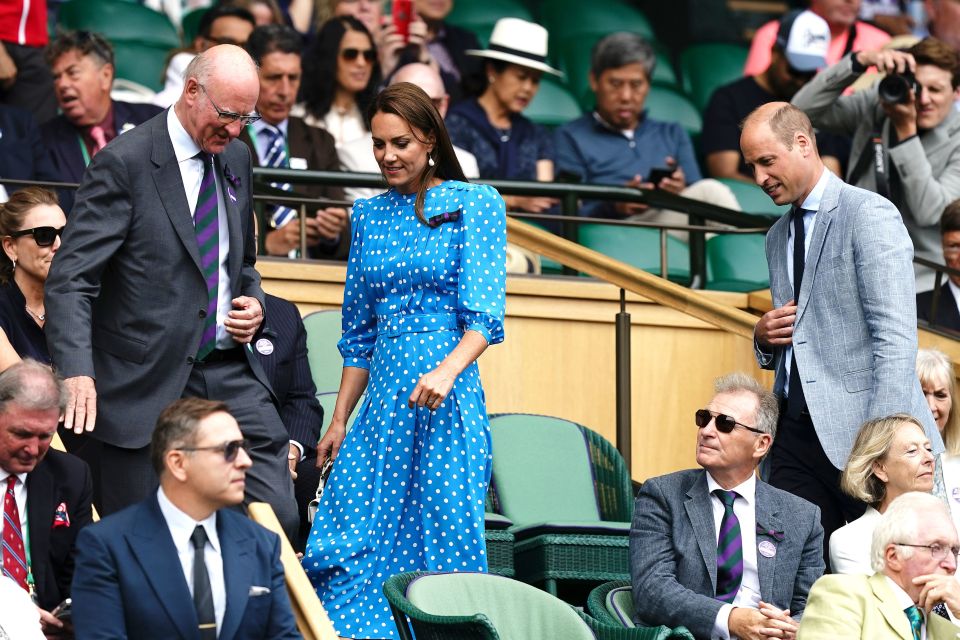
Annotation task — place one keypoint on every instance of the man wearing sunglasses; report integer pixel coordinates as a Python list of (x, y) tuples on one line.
[(716, 549), (183, 563), (158, 297)]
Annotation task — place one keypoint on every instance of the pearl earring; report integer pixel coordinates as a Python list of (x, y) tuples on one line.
[(430, 161)]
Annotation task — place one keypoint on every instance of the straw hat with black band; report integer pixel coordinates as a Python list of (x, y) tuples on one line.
[(518, 42)]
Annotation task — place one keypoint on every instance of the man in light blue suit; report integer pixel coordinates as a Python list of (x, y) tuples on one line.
[(842, 336), (716, 549), (182, 564)]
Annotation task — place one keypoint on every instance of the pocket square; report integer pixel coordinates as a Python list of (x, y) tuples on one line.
[(60, 517), (258, 591)]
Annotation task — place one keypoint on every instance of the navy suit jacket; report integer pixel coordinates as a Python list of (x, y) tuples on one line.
[(129, 582), (63, 147), (22, 154), (947, 315)]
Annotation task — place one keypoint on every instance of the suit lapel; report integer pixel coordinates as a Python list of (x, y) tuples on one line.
[(237, 576), (828, 204), (700, 512), (779, 281), (767, 511), (169, 183), (890, 607), (232, 212), (947, 313), (161, 567), (40, 488)]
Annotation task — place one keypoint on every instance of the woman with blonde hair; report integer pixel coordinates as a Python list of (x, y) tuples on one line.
[(891, 456), (935, 371)]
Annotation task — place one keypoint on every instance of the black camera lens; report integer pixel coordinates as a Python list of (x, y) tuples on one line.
[(896, 88)]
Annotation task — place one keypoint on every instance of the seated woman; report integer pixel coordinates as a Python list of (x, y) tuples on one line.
[(890, 457), (507, 145), (31, 222), (340, 79), (935, 371)]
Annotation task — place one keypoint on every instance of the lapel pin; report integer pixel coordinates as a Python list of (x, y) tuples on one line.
[(767, 549), (264, 346)]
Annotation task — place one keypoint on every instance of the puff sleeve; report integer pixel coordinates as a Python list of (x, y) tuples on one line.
[(482, 274), (359, 317)]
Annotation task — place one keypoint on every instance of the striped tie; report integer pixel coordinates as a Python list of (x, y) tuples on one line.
[(277, 158), (207, 225), (14, 555), (729, 550)]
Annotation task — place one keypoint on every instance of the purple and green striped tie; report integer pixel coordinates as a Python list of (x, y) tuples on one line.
[(207, 225), (729, 550)]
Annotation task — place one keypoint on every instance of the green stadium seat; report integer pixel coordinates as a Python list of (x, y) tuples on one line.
[(143, 63), (553, 105), (737, 262), (612, 603), (479, 17), (326, 364), (670, 105), (752, 199), (575, 17), (638, 247), (327, 402), (705, 67), (119, 21), (191, 25)]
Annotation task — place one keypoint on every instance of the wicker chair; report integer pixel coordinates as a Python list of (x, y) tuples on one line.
[(477, 606), (612, 603)]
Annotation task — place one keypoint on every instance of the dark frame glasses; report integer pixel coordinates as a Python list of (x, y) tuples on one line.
[(725, 423), (350, 54), (229, 117), (230, 450), (43, 236)]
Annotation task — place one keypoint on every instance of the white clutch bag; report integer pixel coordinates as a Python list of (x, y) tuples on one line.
[(324, 474)]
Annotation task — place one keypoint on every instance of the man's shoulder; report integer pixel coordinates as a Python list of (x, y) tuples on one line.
[(56, 128), (281, 308), (578, 126), (676, 483), (63, 465), (791, 503), (842, 583), (131, 114)]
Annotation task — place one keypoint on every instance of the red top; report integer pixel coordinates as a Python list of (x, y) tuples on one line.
[(24, 22)]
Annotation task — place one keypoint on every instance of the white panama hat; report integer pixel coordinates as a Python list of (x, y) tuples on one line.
[(520, 42)]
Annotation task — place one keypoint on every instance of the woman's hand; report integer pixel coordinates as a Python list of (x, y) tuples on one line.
[(432, 389), (329, 445)]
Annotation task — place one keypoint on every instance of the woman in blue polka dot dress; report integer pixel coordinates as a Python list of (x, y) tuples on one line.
[(424, 297)]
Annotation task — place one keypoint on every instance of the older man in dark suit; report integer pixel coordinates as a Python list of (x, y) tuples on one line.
[(716, 549), (155, 295)]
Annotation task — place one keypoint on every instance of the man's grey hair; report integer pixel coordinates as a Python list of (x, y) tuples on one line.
[(901, 522), (198, 68), (620, 49), (768, 408), (33, 386)]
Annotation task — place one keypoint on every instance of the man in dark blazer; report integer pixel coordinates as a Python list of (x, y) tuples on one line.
[(182, 563), (52, 489), (948, 315), (22, 154), (130, 304), (283, 141), (82, 66), (690, 565)]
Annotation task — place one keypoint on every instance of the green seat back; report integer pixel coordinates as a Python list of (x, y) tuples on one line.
[(328, 401), (541, 470), (704, 67), (638, 247), (479, 17), (190, 24), (117, 21), (553, 105), (326, 363), (737, 262), (518, 611), (668, 104), (141, 62), (575, 17), (752, 199), (620, 605)]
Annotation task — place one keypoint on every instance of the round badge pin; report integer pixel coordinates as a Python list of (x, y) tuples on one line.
[(767, 549), (264, 346)]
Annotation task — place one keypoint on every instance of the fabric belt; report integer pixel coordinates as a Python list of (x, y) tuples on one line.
[(224, 355), (393, 326)]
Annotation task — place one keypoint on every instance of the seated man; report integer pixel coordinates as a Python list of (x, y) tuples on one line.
[(182, 563), (618, 144), (799, 51), (914, 550), (282, 141), (948, 304), (82, 65), (918, 135), (22, 154), (716, 549), (47, 492)]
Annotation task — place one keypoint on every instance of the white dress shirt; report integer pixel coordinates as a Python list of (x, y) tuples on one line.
[(260, 140), (181, 529), (20, 494), (905, 602), (191, 170), (344, 126), (744, 507)]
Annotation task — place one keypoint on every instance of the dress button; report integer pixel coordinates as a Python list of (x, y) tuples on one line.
[(203, 313), (190, 360)]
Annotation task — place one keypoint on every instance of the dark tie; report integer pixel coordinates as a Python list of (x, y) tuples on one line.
[(729, 549), (202, 594), (796, 402), (14, 555), (276, 157), (916, 621), (941, 610), (207, 225)]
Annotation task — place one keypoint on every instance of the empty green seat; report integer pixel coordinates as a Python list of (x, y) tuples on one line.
[(612, 603), (737, 262), (704, 67), (328, 401), (575, 17), (667, 104), (553, 105), (118, 21), (191, 25), (141, 62), (326, 363), (479, 17), (752, 198), (638, 247)]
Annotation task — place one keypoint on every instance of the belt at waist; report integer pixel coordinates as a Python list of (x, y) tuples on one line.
[(393, 326), (234, 354)]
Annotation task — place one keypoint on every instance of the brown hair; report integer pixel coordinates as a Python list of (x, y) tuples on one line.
[(12, 214), (87, 43), (177, 427), (938, 54), (785, 123), (950, 219), (410, 102)]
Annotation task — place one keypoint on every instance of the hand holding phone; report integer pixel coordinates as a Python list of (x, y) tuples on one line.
[(402, 15), (64, 610), (659, 173)]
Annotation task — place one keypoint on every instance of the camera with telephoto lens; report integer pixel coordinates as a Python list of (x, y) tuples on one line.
[(896, 87)]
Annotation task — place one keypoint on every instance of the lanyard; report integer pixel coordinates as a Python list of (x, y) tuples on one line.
[(83, 150)]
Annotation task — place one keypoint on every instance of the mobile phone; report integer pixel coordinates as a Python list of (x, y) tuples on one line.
[(659, 173), (402, 14), (568, 177), (64, 610)]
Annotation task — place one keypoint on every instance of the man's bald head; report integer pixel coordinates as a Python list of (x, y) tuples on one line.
[(428, 79), (784, 120)]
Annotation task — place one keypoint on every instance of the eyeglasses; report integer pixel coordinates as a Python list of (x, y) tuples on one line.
[(351, 54), (228, 449), (92, 42), (229, 117), (43, 236), (937, 551), (725, 423)]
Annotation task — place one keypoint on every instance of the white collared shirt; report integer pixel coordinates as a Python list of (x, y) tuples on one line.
[(181, 529), (191, 171), (744, 507), (810, 206), (20, 495), (906, 601), (259, 140)]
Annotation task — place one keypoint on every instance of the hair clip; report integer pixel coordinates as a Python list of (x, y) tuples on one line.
[(437, 220)]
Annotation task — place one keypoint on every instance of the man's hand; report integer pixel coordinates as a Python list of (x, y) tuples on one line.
[(903, 116), (81, 412), (775, 327), (51, 626), (938, 588), (245, 319), (677, 181), (293, 457), (627, 209), (8, 69), (779, 622), (887, 60), (330, 222), (753, 624)]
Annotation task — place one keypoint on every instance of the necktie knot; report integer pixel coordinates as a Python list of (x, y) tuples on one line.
[(726, 497), (11, 482), (199, 537), (916, 620), (99, 137)]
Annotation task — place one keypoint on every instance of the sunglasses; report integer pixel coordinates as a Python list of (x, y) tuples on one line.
[(351, 54), (228, 449), (725, 423), (43, 236), (229, 117), (90, 42)]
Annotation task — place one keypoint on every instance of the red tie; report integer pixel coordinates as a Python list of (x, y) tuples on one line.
[(14, 557)]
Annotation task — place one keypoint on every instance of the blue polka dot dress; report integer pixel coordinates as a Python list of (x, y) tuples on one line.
[(408, 487)]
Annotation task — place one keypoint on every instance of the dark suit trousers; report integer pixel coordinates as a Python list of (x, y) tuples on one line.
[(799, 465), (268, 480)]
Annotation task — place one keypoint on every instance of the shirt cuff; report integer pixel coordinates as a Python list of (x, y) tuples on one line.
[(907, 139), (300, 447), (721, 626), (855, 65)]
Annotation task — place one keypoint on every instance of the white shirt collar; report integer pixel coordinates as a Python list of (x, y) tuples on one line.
[(184, 147), (812, 201), (181, 525), (4, 474), (746, 489)]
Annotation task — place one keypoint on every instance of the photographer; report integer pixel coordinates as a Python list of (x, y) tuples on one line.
[(908, 119)]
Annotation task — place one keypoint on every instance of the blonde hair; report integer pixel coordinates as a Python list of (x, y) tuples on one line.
[(934, 366), (872, 444)]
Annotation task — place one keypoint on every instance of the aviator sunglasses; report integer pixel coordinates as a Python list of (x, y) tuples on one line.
[(725, 423), (351, 54), (43, 236), (228, 449)]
